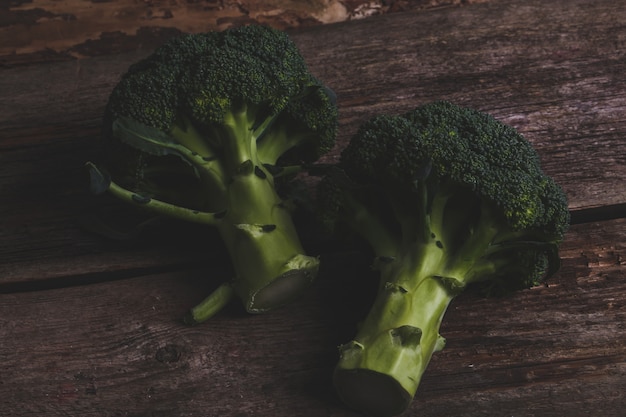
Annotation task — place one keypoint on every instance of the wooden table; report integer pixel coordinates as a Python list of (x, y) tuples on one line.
[(91, 327)]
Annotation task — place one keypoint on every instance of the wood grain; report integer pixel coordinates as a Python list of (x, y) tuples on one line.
[(118, 348), (36, 31)]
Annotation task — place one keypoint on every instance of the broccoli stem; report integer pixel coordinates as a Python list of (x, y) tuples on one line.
[(274, 144), (270, 267), (210, 305), (421, 271), (269, 261), (380, 370), (258, 231), (162, 207), (257, 228)]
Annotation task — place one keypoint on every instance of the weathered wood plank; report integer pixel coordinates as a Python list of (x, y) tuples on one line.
[(54, 30), (118, 348)]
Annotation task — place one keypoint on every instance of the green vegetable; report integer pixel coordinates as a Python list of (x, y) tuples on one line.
[(446, 197), (210, 128)]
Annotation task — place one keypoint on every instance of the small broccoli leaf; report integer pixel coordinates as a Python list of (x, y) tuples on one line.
[(156, 142), (145, 138), (99, 180)]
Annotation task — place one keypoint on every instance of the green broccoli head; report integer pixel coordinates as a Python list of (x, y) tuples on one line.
[(207, 129), (446, 196), (206, 75)]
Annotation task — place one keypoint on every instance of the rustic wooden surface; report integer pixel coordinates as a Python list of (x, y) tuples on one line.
[(57, 30), (90, 327)]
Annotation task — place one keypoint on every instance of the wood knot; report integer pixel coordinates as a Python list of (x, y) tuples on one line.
[(168, 354)]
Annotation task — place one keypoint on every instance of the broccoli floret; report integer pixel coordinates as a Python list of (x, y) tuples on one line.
[(446, 197), (209, 129)]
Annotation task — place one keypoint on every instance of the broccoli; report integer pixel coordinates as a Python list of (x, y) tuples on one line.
[(445, 196), (211, 128)]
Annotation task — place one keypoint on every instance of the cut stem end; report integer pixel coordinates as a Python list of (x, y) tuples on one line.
[(300, 272), (373, 393)]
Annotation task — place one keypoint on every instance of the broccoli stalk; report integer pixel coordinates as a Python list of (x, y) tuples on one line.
[(263, 242), (209, 129), (446, 197)]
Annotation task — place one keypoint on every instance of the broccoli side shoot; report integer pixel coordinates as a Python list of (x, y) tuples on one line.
[(207, 129), (446, 197)]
